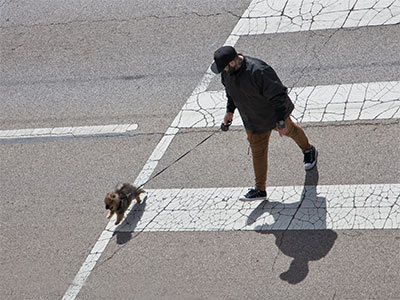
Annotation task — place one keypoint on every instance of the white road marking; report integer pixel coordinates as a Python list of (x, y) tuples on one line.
[(339, 102), (276, 16), (66, 131), (368, 206), (148, 169)]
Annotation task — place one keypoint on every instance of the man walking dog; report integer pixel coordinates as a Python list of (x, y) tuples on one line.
[(255, 90)]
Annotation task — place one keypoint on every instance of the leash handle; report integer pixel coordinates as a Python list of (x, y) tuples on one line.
[(225, 127)]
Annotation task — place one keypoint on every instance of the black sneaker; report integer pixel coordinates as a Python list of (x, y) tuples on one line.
[(310, 158), (253, 195)]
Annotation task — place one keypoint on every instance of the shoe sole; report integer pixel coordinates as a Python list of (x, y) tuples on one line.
[(252, 199), (313, 164)]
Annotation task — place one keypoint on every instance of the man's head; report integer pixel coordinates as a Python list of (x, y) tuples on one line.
[(225, 58)]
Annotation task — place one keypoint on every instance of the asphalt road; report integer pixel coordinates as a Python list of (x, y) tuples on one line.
[(108, 62)]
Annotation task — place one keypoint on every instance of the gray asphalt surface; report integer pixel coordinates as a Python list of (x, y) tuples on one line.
[(93, 63)]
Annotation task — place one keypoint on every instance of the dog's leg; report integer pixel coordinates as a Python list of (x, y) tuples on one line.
[(111, 213), (138, 192), (119, 218)]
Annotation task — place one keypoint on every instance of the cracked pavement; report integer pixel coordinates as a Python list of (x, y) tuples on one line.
[(270, 16), (343, 102), (288, 208)]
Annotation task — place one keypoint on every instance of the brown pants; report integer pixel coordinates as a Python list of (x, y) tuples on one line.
[(259, 149)]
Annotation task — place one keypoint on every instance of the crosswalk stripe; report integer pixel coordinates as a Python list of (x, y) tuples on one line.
[(66, 131), (368, 206), (339, 102), (275, 16)]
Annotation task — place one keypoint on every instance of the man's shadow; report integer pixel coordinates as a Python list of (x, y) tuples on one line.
[(303, 234), (128, 225)]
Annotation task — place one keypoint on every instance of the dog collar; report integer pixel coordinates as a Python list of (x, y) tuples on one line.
[(120, 202), (119, 205), (123, 197)]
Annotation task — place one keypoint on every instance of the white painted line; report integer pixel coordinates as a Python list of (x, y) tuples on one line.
[(340, 102), (66, 131), (368, 206), (276, 16), (143, 176)]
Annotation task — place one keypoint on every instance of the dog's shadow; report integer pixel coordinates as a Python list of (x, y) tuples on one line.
[(304, 245), (128, 225)]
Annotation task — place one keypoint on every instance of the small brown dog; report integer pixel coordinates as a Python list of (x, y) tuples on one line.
[(119, 201)]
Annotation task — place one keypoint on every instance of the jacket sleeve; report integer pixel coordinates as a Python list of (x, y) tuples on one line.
[(273, 91), (230, 106)]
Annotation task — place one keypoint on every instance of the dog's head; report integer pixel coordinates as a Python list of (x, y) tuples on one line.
[(112, 201)]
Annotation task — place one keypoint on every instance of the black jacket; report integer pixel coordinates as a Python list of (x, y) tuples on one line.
[(259, 95)]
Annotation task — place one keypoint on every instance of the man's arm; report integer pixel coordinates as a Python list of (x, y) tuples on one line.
[(275, 92), (230, 106)]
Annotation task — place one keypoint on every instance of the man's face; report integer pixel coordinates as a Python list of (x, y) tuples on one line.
[(231, 67)]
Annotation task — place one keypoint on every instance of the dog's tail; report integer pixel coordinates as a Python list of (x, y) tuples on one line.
[(120, 186), (129, 189)]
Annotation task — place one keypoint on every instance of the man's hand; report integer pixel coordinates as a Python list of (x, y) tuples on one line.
[(228, 118), (281, 127), (283, 131)]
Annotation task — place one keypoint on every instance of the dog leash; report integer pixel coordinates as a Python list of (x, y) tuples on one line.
[(223, 128)]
